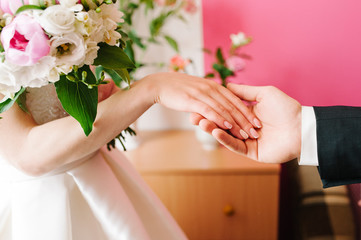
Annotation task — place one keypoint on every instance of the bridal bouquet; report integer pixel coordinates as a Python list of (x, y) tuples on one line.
[(56, 41)]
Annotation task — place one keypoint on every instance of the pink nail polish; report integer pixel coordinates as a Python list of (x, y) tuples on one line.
[(254, 133), (257, 123), (243, 134), (227, 125)]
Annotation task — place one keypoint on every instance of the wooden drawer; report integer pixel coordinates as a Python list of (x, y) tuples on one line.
[(198, 202), (196, 185)]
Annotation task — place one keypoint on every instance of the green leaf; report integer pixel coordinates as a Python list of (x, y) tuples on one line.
[(219, 56), (121, 138), (85, 5), (124, 74), (98, 71), (173, 43), (137, 40), (118, 76), (8, 103), (130, 51), (112, 57), (209, 75), (156, 24), (21, 101), (223, 71), (27, 7), (78, 100)]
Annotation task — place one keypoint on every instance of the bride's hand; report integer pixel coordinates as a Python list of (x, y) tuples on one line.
[(187, 93)]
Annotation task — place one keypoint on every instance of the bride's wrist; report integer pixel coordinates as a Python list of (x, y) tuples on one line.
[(148, 88), (151, 85)]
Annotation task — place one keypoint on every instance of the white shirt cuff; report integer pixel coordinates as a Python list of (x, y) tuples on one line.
[(309, 138)]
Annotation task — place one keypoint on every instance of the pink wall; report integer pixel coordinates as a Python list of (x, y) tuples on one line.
[(310, 49)]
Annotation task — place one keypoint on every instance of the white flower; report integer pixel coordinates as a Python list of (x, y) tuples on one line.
[(111, 12), (58, 20), (82, 16), (54, 75), (83, 24), (40, 72), (95, 27), (111, 16), (8, 82), (68, 49), (91, 52), (13, 77), (239, 39)]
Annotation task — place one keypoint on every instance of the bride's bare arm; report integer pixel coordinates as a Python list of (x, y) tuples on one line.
[(37, 149)]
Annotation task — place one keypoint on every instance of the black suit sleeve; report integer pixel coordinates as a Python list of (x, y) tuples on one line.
[(339, 144)]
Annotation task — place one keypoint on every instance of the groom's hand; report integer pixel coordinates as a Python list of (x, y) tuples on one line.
[(280, 135)]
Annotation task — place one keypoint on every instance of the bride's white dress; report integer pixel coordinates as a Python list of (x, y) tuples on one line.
[(102, 197)]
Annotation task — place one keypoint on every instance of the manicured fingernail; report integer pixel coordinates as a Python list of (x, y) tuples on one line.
[(243, 134), (257, 123), (254, 133), (227, 125)]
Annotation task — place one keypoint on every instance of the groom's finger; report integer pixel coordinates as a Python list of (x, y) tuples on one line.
[(245, 92), (234, 144), (195, 118), (207, 125)]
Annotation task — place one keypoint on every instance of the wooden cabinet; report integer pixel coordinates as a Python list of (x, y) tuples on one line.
[(213, 195)]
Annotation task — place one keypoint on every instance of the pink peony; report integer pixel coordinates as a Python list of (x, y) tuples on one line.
[(10, 6), (235, 63), (24, 41)]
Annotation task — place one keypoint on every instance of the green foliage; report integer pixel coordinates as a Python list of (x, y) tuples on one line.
[(156, 24), (158, 17), (121, 138), (5, 105), (21, 101), (223, 71), (210, 75), (220, 57), (29, 7), (79, 97), (112, 57), (136, 40), (172, 42)]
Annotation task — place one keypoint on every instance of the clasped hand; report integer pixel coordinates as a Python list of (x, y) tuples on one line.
[(280, 115)]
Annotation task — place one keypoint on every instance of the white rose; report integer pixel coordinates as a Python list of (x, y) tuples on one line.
[(58, 20), (69, 49), (40, 72), (8, 82)]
